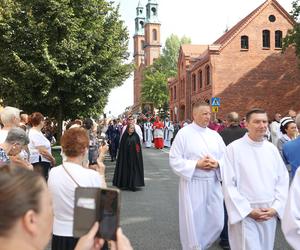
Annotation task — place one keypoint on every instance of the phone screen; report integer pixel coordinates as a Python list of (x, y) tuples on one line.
[(109, 213)]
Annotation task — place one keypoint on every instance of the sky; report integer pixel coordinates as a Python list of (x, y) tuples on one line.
[(204, 21)]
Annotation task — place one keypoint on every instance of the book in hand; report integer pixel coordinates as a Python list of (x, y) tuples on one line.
[(96, 204)]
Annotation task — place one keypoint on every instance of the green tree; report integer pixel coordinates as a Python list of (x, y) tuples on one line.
[(61, 57), (293, 35), (155, 78)]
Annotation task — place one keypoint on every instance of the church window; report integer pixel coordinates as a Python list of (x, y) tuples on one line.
[(278, 39), (141, 24), (266, 38), (154, 34), (272, 18), (174, 92), (194, 82), (244, 42), (207, 69), (200, 79), (153, 9)]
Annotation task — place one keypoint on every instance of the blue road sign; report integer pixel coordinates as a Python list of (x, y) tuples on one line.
[(215, 101)]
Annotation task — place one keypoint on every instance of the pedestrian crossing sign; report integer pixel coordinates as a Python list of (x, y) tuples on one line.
[(215, 101), (215, 109)]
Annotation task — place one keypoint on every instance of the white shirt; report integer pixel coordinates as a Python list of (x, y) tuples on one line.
[(3, 135), (253, 173), (36, 138), (62, 188)]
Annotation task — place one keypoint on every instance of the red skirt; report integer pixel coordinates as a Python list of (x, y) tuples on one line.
[(159, 143)]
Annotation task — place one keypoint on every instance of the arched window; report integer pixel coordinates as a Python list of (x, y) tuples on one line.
[(200, 79), (142, 44), (154, 34), (194, 82), (266, 38), (278, 39), (207, 69), (244, 42)]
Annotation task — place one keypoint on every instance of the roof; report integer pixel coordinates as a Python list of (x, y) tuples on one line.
[(230, 34), (193, 50)]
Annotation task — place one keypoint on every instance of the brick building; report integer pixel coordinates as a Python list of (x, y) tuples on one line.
[(146, 46), (245, 67)]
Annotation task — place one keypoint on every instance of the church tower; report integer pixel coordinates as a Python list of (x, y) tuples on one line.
[(152, 33), (139, 38), (146, 46)]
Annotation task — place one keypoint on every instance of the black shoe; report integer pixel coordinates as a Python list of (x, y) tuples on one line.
[(224, 244)]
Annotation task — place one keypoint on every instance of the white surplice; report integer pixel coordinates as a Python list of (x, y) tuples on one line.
[(201, 212), (254, 176), (148, 134), (168, 133), (290, 223)]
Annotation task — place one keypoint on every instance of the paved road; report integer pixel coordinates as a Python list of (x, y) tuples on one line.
[(150, 217)]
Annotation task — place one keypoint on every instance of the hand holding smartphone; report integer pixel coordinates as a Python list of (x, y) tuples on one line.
[(97, 204)]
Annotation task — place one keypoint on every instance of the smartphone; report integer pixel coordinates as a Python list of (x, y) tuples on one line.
[(97, 204), (109, 217), (93, 155)]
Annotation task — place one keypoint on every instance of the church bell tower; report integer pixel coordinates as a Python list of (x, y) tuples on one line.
[(152, 33)]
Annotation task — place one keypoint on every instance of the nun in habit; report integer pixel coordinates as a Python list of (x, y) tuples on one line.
[(129, 171)]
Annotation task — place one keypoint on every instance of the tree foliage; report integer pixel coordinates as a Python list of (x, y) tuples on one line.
[(61, 57), (155, 78), (293, 35)]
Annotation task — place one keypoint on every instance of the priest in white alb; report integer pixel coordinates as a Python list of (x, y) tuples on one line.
[(290, 223), (255, 186), (194, 157), (168, 132), (148, 137)]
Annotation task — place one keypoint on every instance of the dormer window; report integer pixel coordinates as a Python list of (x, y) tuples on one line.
[(244, 42), (278, 39), (266, 38)]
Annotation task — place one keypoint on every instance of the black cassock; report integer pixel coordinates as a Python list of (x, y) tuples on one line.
[(129, 171)]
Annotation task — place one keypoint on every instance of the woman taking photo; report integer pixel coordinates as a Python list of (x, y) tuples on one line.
[(129, 171), (26, 214), (74, 172), (39, 146)]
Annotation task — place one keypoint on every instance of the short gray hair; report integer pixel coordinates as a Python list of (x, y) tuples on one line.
[(297, 120), (17, 135), (233, 117), (8, 114)]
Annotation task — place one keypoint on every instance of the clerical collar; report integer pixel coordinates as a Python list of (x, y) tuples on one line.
[(253, 143), (198, 128)]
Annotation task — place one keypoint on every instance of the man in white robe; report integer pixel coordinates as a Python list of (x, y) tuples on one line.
[(148, 134), (290, 223), (194, 156), (255, 186), (168, 132)]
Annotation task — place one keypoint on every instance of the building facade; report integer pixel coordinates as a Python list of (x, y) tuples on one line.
[(245, 67), (146, 47)]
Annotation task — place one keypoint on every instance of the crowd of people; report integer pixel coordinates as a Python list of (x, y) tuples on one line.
[(29, 215), (239, 165), (234, 176)]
